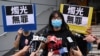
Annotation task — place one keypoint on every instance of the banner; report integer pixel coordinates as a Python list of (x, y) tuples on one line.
[(77, 17), (19, 16)]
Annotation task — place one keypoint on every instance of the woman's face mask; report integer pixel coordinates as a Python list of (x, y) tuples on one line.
[(56, 23)]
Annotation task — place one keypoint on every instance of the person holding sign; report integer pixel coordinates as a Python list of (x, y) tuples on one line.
[(21, 37)]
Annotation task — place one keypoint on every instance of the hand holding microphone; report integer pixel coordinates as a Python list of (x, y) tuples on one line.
[(75, 52), (34, 43)]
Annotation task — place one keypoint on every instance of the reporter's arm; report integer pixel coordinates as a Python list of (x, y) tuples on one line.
[(22, 52), (37, 51), (50, 53), (75, 52)]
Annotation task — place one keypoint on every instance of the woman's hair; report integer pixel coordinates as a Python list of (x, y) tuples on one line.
[(63, 26)]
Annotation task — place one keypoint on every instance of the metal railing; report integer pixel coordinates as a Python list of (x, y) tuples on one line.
[(3, 34)]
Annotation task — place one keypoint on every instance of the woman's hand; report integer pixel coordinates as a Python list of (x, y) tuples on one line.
[(98, 41), (48, 38), (36, 53), (25, 49), (75, 52), (33, 54), (50, 53), (90, 38)]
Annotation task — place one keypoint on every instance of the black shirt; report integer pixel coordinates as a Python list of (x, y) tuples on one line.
[(22, 40)]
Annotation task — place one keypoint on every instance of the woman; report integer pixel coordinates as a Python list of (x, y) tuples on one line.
[(59, 29)]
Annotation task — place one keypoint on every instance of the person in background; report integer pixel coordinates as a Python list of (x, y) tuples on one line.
[(21, 37), (92, 38)]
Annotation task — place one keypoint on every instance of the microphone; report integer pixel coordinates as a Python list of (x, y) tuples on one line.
[(72, 43), (42, 38), (33, 43), (35, 38)]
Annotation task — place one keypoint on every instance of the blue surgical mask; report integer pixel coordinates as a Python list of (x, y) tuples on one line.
[(56, 23)]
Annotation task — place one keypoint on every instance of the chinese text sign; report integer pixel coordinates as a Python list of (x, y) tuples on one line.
[(77, 17), (19, 16)]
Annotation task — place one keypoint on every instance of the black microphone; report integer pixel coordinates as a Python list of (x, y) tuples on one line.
[(72, 43), (33, 43)]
